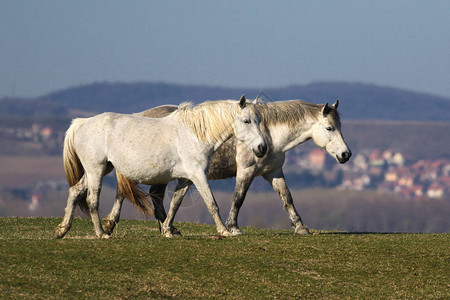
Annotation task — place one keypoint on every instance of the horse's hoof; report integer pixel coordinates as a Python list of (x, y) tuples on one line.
[(105, 236), (225, 233), (302, 230), (109, 226), (170, 233), (59, 233), (175, 232), (236, 231)]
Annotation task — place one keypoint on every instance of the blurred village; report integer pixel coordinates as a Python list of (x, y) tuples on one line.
[(388, 171)]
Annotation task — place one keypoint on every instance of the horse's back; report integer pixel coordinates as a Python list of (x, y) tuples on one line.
[(143, 149), (158, 112)]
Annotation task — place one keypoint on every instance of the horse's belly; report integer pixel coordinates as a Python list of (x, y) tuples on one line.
[(147, 171), (148, 176), (222, 170)]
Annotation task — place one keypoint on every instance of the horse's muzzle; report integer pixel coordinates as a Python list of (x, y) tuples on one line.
[(261, 151), (344, 157)]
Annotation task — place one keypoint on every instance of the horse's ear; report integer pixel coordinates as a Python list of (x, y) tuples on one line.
[(326, 110), (258, 101), (242, 101), (336, 104)]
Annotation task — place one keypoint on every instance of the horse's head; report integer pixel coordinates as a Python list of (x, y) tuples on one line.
[(246, 127), (326, 133)]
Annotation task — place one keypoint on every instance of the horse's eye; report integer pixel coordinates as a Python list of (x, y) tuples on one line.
[(330, 128), (246, 121)]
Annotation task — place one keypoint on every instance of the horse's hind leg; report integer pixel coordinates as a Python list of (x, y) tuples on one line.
[(94, 182), (167, 229), (113, 217), (76, 192), (276, 179), (157, 192)]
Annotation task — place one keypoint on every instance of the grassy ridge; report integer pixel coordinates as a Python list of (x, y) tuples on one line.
[(138, 263)]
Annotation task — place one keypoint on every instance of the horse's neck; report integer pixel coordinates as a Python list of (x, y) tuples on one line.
[(217, 141), (285, 138), (209, 135), (220, 138)]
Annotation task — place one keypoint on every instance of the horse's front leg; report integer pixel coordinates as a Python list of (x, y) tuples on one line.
[(76, 192), (278, 183), (205, 191), (113, 217), (167, 229), (244, 179)]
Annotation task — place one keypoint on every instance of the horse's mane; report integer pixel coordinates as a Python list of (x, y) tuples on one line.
[(292, 112), (210, 121)]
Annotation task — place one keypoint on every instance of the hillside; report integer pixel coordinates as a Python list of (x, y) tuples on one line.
[(359, 101), (262, 264), (373, 118)]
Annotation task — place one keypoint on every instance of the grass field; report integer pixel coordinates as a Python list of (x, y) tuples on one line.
[(262, 264)]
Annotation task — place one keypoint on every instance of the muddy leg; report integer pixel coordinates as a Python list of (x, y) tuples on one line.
[(114, 216), (167, 229), (94, 182), (76, 192), (276, 179), (244, 179)]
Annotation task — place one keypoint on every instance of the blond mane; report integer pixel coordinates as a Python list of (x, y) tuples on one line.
[(292, 112), (210, 121)]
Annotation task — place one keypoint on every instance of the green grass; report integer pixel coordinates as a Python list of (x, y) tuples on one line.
[(262, 264)]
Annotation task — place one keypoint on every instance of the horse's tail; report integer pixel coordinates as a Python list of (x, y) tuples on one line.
[(72, 165), (131, 190)]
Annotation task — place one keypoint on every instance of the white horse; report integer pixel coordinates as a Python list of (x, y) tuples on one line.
[(153, 151), (285, 124)]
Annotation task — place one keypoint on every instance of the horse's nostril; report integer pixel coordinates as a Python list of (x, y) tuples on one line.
[(262, 149), (346, 155)]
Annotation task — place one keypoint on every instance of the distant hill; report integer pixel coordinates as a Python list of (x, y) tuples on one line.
[(358, 101)]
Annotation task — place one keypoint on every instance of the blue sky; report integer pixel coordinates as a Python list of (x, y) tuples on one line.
[(51, 45)]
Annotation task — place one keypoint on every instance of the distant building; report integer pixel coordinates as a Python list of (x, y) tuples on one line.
[(435, 191), (46, 133), (376, 158), (360, 162), (355, 182), (393, 157), (409, 192), (317, 159), (398, 159), (391, 176), (407, 180), (446, 169), (34, 204)]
